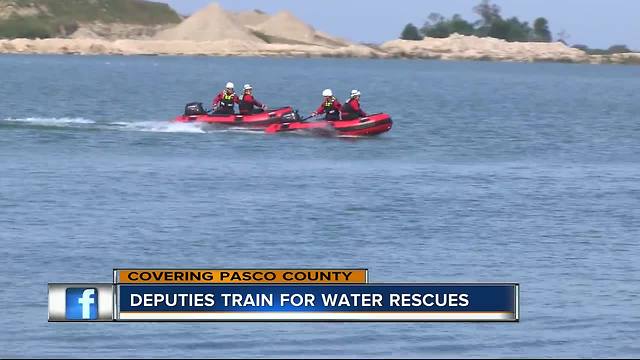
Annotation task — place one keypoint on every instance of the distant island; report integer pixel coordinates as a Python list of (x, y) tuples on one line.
[(493, 26), (138, 27)]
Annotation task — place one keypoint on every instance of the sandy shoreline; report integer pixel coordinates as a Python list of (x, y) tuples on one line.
[(456, 47), (214, 31), (180, 47)]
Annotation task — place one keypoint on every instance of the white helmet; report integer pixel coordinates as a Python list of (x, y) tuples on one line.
[(248, 87), (327, 92), (230, 85), (355, 93)]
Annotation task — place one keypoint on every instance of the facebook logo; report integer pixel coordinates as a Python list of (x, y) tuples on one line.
[(82, 304)]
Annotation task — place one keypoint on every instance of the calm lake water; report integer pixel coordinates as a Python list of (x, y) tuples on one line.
[(493, 172)]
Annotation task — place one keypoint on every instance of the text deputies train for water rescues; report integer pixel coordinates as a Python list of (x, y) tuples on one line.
[(224, 101), (330, 106)]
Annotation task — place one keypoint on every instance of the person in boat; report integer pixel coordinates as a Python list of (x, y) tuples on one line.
[(249, 104), (351, 109), (225, 102), (330, 106)]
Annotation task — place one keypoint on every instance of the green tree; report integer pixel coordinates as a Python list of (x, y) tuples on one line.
[(491, 24), (498, 29), (410, 32), (434, 18), (435, 26), (510, 29), (461, 26), (519, 31), (541, 30), (25, 27), (582, 47), (489, 12), (489, 17), (618, 49), (438, 27)]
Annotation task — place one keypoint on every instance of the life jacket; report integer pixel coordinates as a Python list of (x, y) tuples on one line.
[(347, 108), (246, 106), (227, 99), (329, 106)]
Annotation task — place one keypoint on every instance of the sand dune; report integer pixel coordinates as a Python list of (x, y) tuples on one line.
[(286, 26), (250, 18), (213, 23), (210, 24)]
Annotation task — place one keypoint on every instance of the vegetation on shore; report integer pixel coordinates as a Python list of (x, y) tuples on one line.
[(52, 18), (615, 49), (491, 24)]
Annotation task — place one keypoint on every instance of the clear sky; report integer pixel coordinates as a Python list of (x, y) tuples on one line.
[(597, 23)]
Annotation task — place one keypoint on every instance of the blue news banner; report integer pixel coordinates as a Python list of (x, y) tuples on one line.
[(362, 302)]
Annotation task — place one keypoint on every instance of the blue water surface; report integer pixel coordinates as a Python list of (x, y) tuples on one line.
[(493, 172)]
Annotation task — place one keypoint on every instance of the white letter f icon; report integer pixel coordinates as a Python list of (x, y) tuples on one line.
[(86, 300)]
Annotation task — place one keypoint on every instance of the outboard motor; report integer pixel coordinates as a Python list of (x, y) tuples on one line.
[(292, 117), (194, 108)]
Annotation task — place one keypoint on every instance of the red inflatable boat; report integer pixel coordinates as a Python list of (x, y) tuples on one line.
[(368, 126), (195, 113)]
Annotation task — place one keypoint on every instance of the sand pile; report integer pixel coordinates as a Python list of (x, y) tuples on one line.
[(287, 28), (473, 48), (214, 23), (284, 25), (209, 24), (250, 18)]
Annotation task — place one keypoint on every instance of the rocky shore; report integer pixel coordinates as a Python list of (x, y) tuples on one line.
[(456, 47), (460, 47), (181, 47)]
